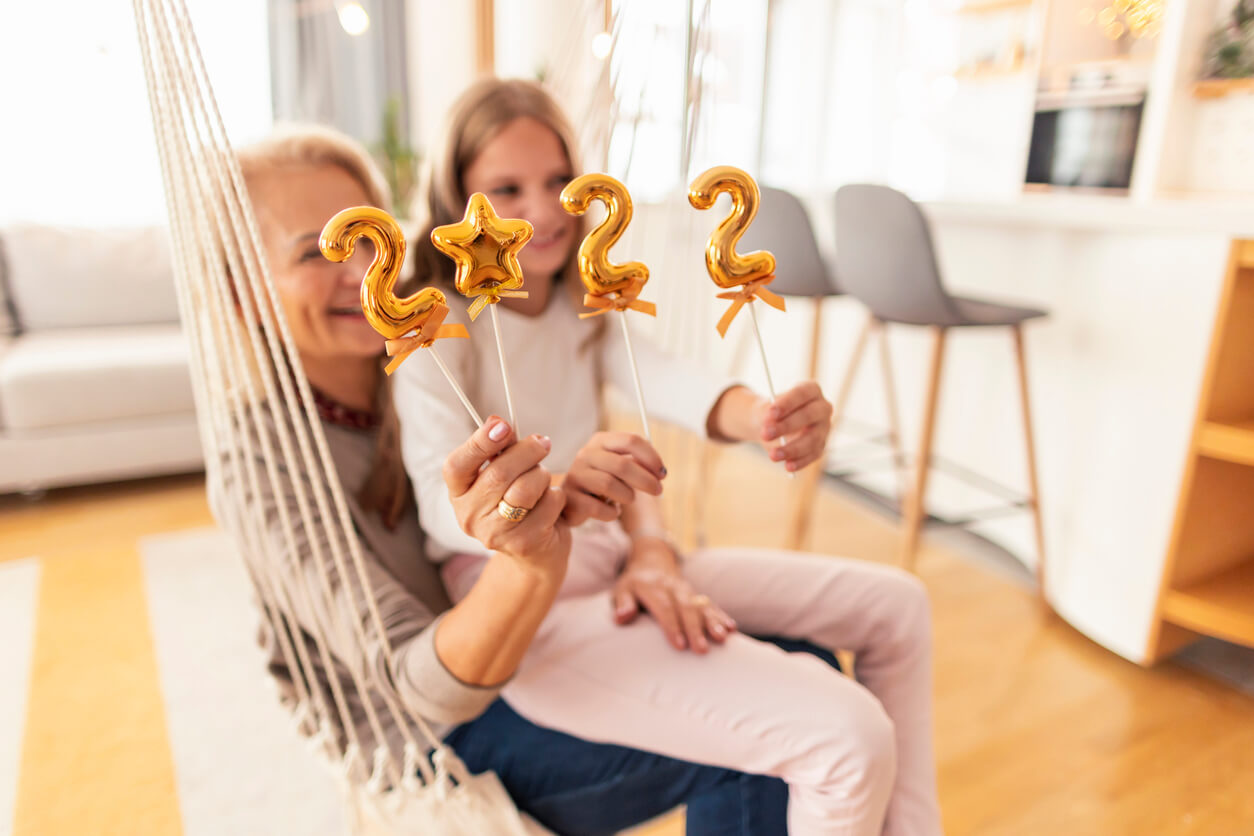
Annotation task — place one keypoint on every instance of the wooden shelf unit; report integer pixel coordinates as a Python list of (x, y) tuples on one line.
[(1207, 588)]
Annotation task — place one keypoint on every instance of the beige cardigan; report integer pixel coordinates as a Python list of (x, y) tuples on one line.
[(406, 586)]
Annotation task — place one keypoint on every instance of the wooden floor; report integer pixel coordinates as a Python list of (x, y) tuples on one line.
[(1038, 730)]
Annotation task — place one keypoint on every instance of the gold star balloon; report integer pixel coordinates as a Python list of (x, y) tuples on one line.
[(485, 249)]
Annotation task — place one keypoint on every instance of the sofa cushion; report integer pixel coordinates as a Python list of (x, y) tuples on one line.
[(87, 375), (63, 277)]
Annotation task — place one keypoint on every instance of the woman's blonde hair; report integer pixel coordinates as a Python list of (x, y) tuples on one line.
[(386, 488), (478, 115), (297, 144)]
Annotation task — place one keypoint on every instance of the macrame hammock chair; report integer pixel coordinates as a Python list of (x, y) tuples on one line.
[(262, 436)]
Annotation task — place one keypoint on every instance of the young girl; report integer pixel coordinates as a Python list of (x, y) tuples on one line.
[(686, 680)]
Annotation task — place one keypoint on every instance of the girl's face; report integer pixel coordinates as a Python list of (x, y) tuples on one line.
[(523, 170), (321, 298)]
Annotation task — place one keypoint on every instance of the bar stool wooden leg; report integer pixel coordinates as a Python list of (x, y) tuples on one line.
[(913, 519), (808, 483), (894, 422), (1034, 496), (851, 373)]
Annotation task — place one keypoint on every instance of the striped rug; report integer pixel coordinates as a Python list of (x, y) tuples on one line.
[(135, 701)]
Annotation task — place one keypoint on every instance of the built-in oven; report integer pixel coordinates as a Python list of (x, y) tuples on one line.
[(1085, 138)]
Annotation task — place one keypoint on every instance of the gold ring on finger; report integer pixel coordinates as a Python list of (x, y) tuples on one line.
[(511, 512), (700, 600)]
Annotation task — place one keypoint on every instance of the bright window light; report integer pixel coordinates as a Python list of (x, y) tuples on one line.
[(602, 43), (353, 18)]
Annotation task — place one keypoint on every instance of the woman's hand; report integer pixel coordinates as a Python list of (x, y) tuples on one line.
[(651, 581), (487, 469), (606, 474)]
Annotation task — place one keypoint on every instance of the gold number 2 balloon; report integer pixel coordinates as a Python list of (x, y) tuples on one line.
[(728, 268), (420, 315), (601, 277)]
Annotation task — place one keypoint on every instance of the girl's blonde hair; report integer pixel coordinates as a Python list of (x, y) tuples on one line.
[(478, 115), (386, 488)]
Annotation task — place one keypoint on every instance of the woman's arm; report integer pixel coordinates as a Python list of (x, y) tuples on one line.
[(446, 668), (483, 638)]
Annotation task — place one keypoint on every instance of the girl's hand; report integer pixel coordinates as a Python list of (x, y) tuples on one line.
[(606, 474), (489, 468), (802, 417), (652, 581)]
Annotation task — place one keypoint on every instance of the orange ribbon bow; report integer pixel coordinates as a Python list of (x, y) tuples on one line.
[(431, 331), (621, 301), (485, 296), (745, 295)]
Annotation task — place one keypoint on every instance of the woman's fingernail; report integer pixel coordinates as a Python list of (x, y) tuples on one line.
[(680, 643), (663, 471), (545, 442), (498, 430)]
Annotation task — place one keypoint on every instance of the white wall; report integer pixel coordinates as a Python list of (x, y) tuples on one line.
[(441, 60)]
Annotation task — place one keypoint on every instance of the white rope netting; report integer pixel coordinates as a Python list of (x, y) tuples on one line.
[(262, 438)]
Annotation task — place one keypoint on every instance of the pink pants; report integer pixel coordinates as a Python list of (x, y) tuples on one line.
[(857, 756)]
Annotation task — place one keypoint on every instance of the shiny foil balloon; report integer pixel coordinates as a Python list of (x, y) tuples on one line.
[(750, 272), (727, 267), (420, 314), (484, 248), (601, 277)]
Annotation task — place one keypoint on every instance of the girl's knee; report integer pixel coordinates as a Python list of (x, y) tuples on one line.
[(872, 761), (852, 751), (911, 612)]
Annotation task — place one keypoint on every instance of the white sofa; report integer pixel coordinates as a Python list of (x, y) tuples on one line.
[(94, 382)]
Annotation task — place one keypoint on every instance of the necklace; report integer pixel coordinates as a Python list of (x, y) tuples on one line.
[(334, 412)]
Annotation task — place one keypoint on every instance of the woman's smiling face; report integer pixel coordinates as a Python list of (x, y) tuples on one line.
[(321, 298), (523, 170)]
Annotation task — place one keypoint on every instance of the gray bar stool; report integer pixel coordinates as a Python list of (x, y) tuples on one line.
[(783, 226), (886, 261)]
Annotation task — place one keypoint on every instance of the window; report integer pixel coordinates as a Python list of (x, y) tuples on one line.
[(78, 143)]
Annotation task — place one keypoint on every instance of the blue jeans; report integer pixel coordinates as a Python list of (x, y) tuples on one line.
[(579, 788)]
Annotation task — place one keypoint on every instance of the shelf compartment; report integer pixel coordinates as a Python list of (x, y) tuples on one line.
[(1221, 606), (1217, 88), (1245, 255), (1230, 441)]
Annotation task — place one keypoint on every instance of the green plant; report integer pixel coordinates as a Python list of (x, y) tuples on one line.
[(397, 158), (1230, 51)]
